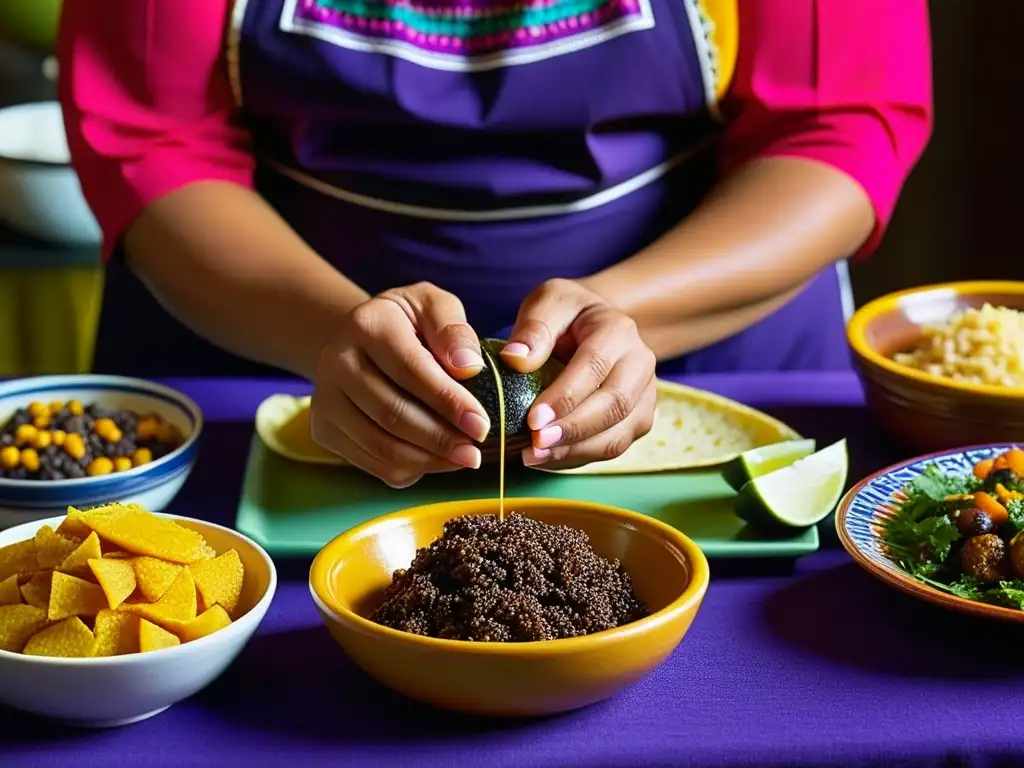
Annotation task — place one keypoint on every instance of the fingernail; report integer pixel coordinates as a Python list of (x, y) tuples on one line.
[(466, 456), (466, 358), (516, 349), (548, 437), (474, 425), (541, 416), (534, 456)]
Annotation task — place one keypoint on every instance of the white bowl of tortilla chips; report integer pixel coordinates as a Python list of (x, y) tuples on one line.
[(127, 629), (692, 429)]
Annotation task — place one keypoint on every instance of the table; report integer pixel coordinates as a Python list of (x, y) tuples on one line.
[(812, 663)]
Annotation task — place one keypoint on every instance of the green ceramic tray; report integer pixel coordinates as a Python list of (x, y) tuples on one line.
[(293, 509)]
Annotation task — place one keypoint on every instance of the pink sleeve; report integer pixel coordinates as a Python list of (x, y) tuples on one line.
[(147, 103), (841, 82)]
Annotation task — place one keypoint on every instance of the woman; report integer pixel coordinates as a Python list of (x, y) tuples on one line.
[(354, 190)]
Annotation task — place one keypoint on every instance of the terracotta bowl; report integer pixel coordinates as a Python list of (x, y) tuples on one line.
[(669, 573), (922, 411)]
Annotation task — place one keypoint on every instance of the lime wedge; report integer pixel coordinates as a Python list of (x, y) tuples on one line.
[(797, 496), (760, 461)]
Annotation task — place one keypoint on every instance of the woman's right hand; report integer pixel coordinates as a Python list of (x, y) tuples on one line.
[(385, 395)]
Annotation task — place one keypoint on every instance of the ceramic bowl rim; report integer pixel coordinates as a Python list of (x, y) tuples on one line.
[(856, 334), (237, 626), (899, 578), (154, 470), (25, 106), (689, 600)]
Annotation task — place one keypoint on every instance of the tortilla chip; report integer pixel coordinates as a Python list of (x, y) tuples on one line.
[(36, 591), (154, 576), (73, 526), (10, 594), (207, 553), (16, 558), (204, 624), (153, 638), (17, 624), (117, 633), (52, 548), (71, 596), (133, 529), (70, 639), (116, 578), (177, 604), (219, 581), (77, 563)]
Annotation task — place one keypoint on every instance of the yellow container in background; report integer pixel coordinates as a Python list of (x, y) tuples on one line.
[(49, 319)]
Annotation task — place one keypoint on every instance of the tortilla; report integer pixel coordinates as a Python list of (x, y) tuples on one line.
[(692, 429), (283, 424)]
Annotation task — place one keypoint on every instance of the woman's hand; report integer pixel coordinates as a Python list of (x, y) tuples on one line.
[(387, 401), (604, 399)]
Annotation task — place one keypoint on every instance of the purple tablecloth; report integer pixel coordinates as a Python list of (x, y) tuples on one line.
[(812, 664)]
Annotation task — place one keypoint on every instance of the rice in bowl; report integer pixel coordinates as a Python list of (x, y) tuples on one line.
[(978, 346)]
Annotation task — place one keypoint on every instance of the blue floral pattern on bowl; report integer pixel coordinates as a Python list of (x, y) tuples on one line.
[(863, 512)]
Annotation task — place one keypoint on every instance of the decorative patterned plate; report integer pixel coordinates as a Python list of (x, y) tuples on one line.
[(866, 506)]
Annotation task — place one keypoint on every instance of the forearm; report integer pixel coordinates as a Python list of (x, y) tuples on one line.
[(752, 244), (224, 263)]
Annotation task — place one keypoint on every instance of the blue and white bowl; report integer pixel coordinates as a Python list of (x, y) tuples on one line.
[(152, 486), (864, 510)]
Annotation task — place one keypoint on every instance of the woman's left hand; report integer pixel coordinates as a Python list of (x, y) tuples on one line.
[(604, 399)]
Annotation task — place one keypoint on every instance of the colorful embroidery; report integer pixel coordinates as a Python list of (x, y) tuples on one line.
[(714, 24), (466, 35)]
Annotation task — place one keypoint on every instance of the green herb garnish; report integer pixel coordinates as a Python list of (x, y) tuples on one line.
[(922, 536)]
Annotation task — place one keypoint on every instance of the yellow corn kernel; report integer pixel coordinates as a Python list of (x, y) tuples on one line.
[(10, 457), (41, 422), (101, 465), (75, 407), (122, 464), (30, 459), (74, 446), (146, 428), (165, 433), (42, 440), (102, 427), (142, 456), (55, 406), (38, 409), (113, 435), (58, 436), (26, 433)]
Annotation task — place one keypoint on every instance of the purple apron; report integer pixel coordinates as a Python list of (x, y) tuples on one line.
[(488, 146)]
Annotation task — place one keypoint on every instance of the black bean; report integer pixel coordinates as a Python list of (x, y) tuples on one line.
[(17, 473), (74, 470), (6, 439), (77, 424)]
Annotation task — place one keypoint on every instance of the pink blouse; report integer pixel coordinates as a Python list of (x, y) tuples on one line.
[(148, 107)]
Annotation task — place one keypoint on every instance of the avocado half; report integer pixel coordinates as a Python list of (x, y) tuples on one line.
[(520, 389)]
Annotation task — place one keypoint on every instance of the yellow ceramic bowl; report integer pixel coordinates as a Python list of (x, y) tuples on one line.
[(923, 411), (669, 572)]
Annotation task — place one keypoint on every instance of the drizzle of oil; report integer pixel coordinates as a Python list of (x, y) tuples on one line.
[(501, 432)]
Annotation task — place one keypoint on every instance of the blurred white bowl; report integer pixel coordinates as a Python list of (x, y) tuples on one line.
[(39, 191), (120, 690)]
